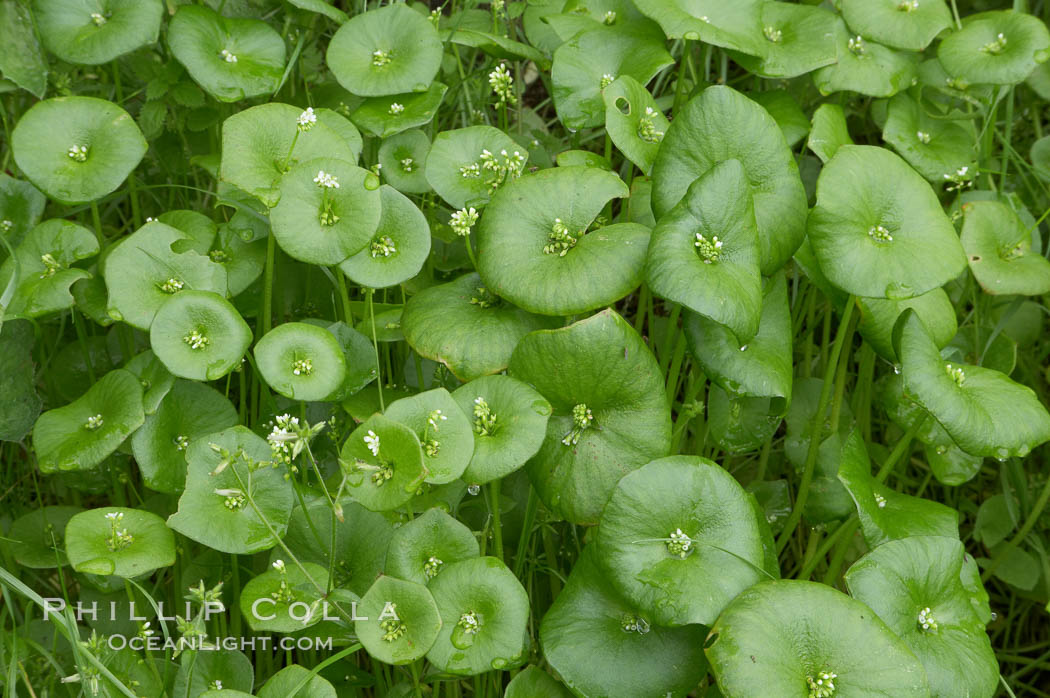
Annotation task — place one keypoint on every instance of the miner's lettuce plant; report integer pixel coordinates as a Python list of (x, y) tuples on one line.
[(537, 348)]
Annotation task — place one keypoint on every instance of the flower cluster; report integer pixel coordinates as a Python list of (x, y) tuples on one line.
[(503, 84), (171, 285), (284, 593), (908, 5), (956, 374), (880, 501), (306, 120), (607, 79), (468, 622), (879, 233), (78, 153), (709, 250), (484, 298), (51, 265), (773, 34), (857, 46), (995, 47), (679, 543), (823, 686), (396, 108), (926, 621), (484, 419), (197, 340), (647, 130), (380, 58), (432, 566), (228, 56), (326, 180), (302, 367), (383, 246), (98, 19), (634, 624), (392, 628), (119, 538), (582, 418), (94, 422), (560, 239), (463, 220)]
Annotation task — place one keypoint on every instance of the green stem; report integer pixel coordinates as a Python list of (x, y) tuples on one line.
[(497, 527), (369, 293), (1029, 524)]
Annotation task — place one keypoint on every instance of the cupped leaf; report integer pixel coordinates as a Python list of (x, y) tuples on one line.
[(261, 144), (144, 271), (399, 621), (878, 316), (403, 157), (610, 414), (937, 148), (864, 66), (466, 165), (82, 434), (510, 423), (21, 404), (906, 25), (44, 266), (244, 260), (383, 464), (590, 62), (397, 249), (758, 366), (444, 431), (829, 131), (704, 253), (1000, 48), (385, 51), (721, 124), (156, 380), (733, 25), (998, 247), (740, 424), (427, 545), (234, 498), (680, 538), (301, 361), (386, 116), (983, 411), (466, 327), (484, 617), (533, 681), (188, 411), (950, 464), (37, 539), (633, 121), (361, 361), (535, 251), (801, 633), (362, 539), (199, 335), (115, 541), (199, 227), (328, 210), (23, 63), (799, 39), (77, 149), (878, 228), (285, 599), (92, 33), (600, 644), (915, 587), (231, 58), (884, 513)]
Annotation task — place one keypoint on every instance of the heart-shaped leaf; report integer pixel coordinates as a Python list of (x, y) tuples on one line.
[(427, 545), (633, 121), (386, 116), (906, 25), (937, 148), (798, 41), (398, 247), (444, 431), (1001, 48), (733, 25), (998, 247), (92, 33), (45, 272), (37, 538), (864, 66)]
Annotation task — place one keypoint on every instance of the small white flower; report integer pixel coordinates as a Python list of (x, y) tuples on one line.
[(372, 441), (435, 417), (380, 58), (279, 566), (879, 233), (94, 422), (502, 84), (923, 136), (607, 79), (856, 45), (609, 17), (926, 621), (78, 153), (196, 340), (98, 19), (302, 367), (908, 5), (463, 220), (306, 120), (880, 501), (773, 34), (116, 516), (396, 108), (227, 56), (171, 285), (6, 225), (326, 180)]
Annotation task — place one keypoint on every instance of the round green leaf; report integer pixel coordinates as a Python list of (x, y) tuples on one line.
[(284, 599), (865, 67), (83, 433), (601, 645), (109, 146), (588, 63), (906, 25), (403, 157), (1001, 48), (301, 361), (284, 683), (721, 124), (92, 33), (383, 461), (386, 116), (199, 335), (535, 251), (797, 631), (444, 431), (679, 538), (45, 272), (533, 681), (510, 423), (633, 121), (984, 411), (120, 542), (484, 617), (798, 41), (732, 25), (914, 586), (399, 621), (950, 464), (37, 538), (385, 51), (878, 228), (214, 508), (198, 671), (998, 247), (762, 366), (261, 144), (937, 148), (231, 58), (610, 413), (429, 544), (325, 224), (400, 244), (188, 411), (466, 327), (878, 316), (466, 165), (704, 253)]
